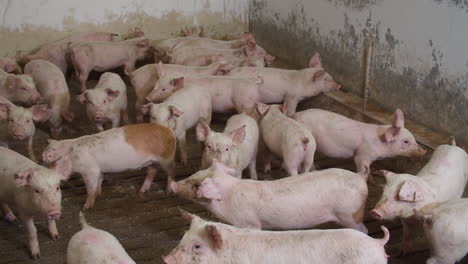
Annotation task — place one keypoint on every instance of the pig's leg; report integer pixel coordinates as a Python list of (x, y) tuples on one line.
[(32, 236), (291, 105), (308, 164), (83, 77), (291, 164), (52, 226), (253, 167), (139, 114), (347, 220), (362, 165), (99, 188), (9, 216), (183, 149), (125, 119), (31, 154), (150, 174), (91, 179), (268, 157), (170, 171), (116, 120)]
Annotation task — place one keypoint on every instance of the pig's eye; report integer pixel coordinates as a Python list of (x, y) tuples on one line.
[(23, 88), (226, 149), (163, 89), (196, 186), (10, 120), (104, 101), (208, 146), (58, 188), (406, 141), (28, 121), (37, 191), (196, 246)]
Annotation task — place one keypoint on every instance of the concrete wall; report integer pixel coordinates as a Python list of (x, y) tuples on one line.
[(26, 24), (420, 61)]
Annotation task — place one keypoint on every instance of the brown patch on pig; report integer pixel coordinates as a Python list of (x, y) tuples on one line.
[(151, 139), (358, 216)]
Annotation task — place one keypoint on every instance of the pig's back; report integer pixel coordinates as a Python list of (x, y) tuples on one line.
[(48, 78), (10, 163), (249, 145)]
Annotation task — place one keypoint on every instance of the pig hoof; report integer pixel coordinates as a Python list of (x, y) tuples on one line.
[(54, 236), (88, 205), (11, 218), (35, 254)]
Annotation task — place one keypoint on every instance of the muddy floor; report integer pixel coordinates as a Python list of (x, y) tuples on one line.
[(149, 226)]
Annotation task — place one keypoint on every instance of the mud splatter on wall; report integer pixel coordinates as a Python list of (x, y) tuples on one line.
[(27, 24), (420, 56)]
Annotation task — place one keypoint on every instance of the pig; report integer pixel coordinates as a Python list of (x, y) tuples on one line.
[(51, 83), (19, 89), (446, 228), (287, 139), (180, 113), (144, 78), (202, 60), (136, 33), (103, 55), (107, 102), (298, 202), (365, 142), (211, 242), (17, 123), (112, 151), (30, 191), (92, 246), (226, 93), (245, 39), (236, 146), (10, 65), (57, 51), (290, 86), (443, 178)]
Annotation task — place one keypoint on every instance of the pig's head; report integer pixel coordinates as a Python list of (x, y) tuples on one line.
[(40, 190), (165, 86), (99, 102), (22, 89), (220, 146), (316, 78), (402, 194), (9, 65), (55, 150), (248, 37), (162, 114), (205, 185), (143, 48), (138, 33), (20, 121), (202, 243), (399, 141)]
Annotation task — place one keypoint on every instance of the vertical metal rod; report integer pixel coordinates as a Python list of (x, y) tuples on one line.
[(368, 53)]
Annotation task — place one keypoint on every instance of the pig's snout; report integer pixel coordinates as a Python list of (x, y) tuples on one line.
[(54, 215), (337, 86), (173, 186), (19, 135), (420, 152), (150, 98), (169, 259), (100, 117), (376, 214)]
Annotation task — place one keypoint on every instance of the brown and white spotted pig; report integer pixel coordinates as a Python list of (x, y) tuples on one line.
[(95, 246), (115, 150), (31, 191), (17, 123), (51, 83), (102, 56)]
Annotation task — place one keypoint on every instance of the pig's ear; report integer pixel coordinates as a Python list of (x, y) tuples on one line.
[(284, 107), (410, 191), (67, 115), (4, 110), (398, 119), (269, 58), (111, 94), (220, 166), (384, 173), (138, 32), (318, 75), (178, 83), (215, 236), (23, 178), (391, 133), (41, 113), (208, 190), (143, 43), (146, 108), (83, 98), (174, 111), (203, 130), (187, 216), (238, 135), (160, 69), (262, 108), (315, 61)]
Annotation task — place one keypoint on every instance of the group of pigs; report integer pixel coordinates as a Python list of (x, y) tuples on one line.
[(206, 76)]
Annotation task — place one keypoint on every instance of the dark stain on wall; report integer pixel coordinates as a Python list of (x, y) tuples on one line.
[(355, 4), (428, 97), (463, 4)]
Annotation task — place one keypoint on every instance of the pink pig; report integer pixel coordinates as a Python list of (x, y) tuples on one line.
[(210, 242), (107, 101), (145, 78), (57, 51), (298, 202), (31, 191), (340, 137), (17, 123), (103, 55), (290, 86), (19, 89), (287, 139), (93, 246), (443, 178), (53, 87), (10, 65)]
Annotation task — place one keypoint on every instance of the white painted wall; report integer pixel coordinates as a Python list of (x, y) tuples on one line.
[(43, 20)]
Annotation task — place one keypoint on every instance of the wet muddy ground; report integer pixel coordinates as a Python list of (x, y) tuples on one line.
[(149, 225)]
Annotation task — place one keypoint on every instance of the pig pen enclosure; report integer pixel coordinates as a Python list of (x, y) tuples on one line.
[(387, 54)]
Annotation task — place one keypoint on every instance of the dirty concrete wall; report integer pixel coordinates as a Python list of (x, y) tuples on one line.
[(26, 24), (420, 61)]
